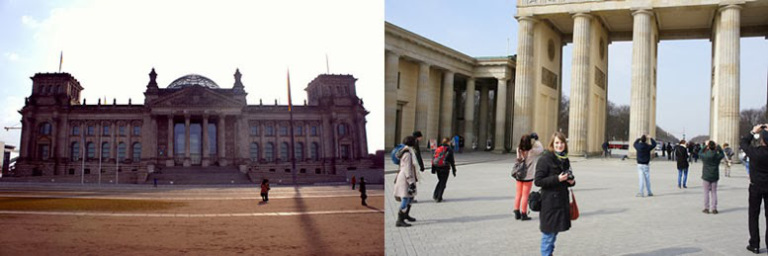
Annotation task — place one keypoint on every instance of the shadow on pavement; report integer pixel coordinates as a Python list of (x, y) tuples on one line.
[(603, 212), (668, 251), (733, 210), (465, 219), (309, 226), (464, 199)]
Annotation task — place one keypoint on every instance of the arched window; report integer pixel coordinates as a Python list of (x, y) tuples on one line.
[(121, 150), (314, 151), (298, 151), (105, 150), (254, 151), (342, 129), (269, 152), (45, 128), (284, 152), (75, 151), (136, 152), (91, 150)]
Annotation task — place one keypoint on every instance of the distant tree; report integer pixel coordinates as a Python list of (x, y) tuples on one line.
[(751, 117), (617, 122), (562, 123), (662, 135), (699, 139)]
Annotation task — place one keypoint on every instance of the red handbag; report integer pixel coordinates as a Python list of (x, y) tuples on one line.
[(574, 207)]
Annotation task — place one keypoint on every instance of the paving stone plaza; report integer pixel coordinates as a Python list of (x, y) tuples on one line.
[(476, 217)]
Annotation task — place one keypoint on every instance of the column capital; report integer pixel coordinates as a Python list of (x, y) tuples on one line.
[(424, 64), (637, 11), (582, 14), (729, 6), (501, 78), (392, 54), (530, 18)]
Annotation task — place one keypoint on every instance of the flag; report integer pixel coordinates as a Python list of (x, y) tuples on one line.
[(61, 60), (289, 90)]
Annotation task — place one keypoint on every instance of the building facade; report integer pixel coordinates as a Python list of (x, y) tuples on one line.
[(193, 124)]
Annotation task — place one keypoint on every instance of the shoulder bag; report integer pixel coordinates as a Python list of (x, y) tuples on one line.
[(574, 207)]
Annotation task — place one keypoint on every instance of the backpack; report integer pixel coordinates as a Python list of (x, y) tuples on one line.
[(397, 148), (440, 158)]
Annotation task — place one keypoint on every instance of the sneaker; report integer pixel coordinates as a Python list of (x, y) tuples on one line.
[(755, 250), (705, 211), (639, 195), (684, 186), (650, 194), (714, 211)]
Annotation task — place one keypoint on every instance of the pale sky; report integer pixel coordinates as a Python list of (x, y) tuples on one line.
[(111, 46), (488, 28)]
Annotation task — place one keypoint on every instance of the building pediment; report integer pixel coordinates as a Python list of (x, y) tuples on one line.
[(197, 96)]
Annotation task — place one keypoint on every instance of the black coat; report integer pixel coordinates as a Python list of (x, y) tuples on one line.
[(644, 151), (681, 155), (758, 164), (555, 213)]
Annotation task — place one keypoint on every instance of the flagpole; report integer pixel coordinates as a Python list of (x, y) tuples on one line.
[(61, 60), (290, 124)]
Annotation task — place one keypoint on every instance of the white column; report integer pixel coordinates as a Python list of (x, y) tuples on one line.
[(423, 102), (220, 139), (728, 81), (524, 80), (579, 106), (169, 152), (501, 110), (205, 143), (187, 160), (483, 132), (640, 103), (469, 114), (390, 95), (446, 113)]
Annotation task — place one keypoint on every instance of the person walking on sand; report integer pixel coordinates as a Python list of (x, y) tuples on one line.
[(405, 181), (265, 190), (554, 176), (711, 155), (681, 154), (528, 151), (643, 159), (363, 191)]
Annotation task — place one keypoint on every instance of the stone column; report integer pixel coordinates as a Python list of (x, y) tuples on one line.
[(483, 115), (205, 143), (501, 110), (524, 80), (728, 78), (446, 113), (578, 121), (469, 114), (640, 104), (170, 154), (424, 100), (390, 95), (220, 139), (187, 160), (26, 129)]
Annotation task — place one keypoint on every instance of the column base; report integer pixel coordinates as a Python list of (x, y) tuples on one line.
[(150, 168), (499, 151), (187, 162), (243, 168), (169, 163), (223, 162), (206, 162)]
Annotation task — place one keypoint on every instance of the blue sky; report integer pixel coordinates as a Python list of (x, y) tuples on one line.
[(111, 46), (488, 28)]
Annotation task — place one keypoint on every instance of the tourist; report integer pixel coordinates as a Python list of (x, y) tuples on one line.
[(605, 149), (728, 154), (711, 155), (353, 181), (554, 176), (442, 163), (417, 149), (681, 154), (663, 149), (758, 185), (265, 190), (528, 151), (643, 159), (669, 152), (405, 182), (363, 191)]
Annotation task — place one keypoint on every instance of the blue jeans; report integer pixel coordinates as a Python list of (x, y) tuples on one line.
[(643, 172), (682, 173), (405, 201), (746, 164), (548, 243)]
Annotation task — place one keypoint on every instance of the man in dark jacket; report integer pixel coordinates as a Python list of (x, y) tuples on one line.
[(681, 155), (643, 158), (417, 149), (758, 180)]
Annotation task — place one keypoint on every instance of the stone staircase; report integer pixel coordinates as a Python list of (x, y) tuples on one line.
[(196, 175)]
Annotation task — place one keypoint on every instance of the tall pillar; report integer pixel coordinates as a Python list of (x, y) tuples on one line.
[(220, 139), (728, 69), (390, 95), (205, 143), (640, 104), (501, 110), (170, 154), (469, 114), (483, 132), (424, 100), (579, 106), (446, 114), (187, 160), (524, 80)]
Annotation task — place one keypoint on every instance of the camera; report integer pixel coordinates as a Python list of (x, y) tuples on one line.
[(570, 174), (763, 127)]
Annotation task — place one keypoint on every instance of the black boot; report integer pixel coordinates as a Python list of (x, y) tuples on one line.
[(407, 214), (400, 222), (517, 214), (524, 216)]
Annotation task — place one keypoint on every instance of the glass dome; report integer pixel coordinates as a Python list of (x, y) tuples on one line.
[(192, 79)]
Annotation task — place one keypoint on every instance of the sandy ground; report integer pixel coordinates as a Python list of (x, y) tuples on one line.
[(326, 234)]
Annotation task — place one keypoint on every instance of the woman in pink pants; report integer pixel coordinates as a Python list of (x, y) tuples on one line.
[(529, 150)]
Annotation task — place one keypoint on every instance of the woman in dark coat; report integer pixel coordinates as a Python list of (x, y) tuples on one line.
[(553, 175), (681, 154)]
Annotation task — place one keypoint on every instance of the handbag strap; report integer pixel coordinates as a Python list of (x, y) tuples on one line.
[(573, 197)]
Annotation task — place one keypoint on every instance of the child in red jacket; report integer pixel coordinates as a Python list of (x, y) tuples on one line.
[(265, 190)]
